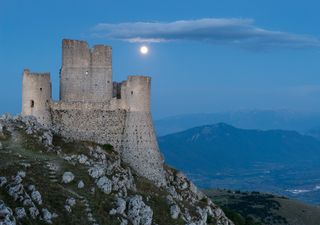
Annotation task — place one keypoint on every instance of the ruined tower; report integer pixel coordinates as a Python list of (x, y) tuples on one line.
[(94, 108), (86, 74), (36, 96)]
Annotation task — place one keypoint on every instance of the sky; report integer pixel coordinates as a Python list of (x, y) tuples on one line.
[(204, 56)]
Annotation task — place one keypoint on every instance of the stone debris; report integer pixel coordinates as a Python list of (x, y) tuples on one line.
[(96, 171), (20, 213), (6, 215), (105, 184), (70, 202), (81, 184), (67, 177), (174, 211), (3, 181), (34, 212), (47, 215), (36, 196), (138, 212), (82, 159)]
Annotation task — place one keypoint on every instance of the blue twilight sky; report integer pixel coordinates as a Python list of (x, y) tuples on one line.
[(205, 56)]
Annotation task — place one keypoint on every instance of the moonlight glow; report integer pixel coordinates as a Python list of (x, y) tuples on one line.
[(144, 50)]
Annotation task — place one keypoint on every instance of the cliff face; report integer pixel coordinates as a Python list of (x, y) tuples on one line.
[(47, 179)]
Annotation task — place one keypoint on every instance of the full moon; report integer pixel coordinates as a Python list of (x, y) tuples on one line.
[(144, 49)]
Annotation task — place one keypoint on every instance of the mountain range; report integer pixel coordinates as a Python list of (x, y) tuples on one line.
[(247, 119), (220, 155)]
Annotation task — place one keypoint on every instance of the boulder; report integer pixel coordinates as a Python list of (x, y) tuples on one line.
[(67, 177), (138, 212), (81, 184), (34, 212), (105, 184), (6, 215), (20, 213), (36, 196), (96, 171), (3, 181), (174, 211)]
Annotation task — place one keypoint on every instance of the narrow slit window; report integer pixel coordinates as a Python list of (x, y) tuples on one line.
[(40, 89), (31, 103), (131, 92)]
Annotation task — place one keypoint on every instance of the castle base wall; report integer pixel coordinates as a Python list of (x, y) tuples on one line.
[(140, 147), (89, 122), (130, 133)]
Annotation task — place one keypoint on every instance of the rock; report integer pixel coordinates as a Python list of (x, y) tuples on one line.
[(105, 184), (22, 174), (121, 205), (6, 215), (124, 222), (174, 211), (138, 212), (47, 138), (82, 159), (15, 190), (36, 196), (67, 177), (27, 202), (17, 179), (3, 181), (113, 212), (1, 146), (1, 128), (47, 215), (71, 201), (31, 187), (68, 208), (34, 212), (96, 172), (20, 213), (80, 184)]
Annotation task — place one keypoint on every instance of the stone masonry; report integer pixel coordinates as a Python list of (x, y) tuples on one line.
[(94, 108)]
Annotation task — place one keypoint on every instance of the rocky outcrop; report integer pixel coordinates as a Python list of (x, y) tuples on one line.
[(87, 174)]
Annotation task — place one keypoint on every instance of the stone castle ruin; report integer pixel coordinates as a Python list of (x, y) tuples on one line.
[(94, 108)]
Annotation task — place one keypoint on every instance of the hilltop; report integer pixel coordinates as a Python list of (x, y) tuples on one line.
[(47, 179)]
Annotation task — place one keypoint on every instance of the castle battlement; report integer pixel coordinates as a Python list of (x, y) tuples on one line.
[(94, 108)]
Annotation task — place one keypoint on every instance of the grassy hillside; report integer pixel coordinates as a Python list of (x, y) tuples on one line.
[(254, 208), (46, 179)]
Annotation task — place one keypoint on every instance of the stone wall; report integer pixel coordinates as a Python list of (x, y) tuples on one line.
[(140, 147), (131, 133), (101, 123)]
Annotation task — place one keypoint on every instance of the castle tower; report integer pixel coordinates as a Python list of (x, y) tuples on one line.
[(86, 74), (36, 96), (140, 146)]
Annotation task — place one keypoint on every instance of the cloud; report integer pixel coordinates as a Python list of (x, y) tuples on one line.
[(237, 32)]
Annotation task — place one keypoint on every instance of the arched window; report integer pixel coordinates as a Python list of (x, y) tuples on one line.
[(40, 89), (31, 103)]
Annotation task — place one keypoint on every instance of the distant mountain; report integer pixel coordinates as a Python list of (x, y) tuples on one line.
[(221, 155), (251, 119)]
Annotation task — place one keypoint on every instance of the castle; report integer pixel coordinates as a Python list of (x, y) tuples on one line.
[(94, 108)]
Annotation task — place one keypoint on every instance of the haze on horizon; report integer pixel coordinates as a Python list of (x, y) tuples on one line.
[(208, 57)]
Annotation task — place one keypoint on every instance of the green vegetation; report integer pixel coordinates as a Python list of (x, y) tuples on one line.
[(255, 208)]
